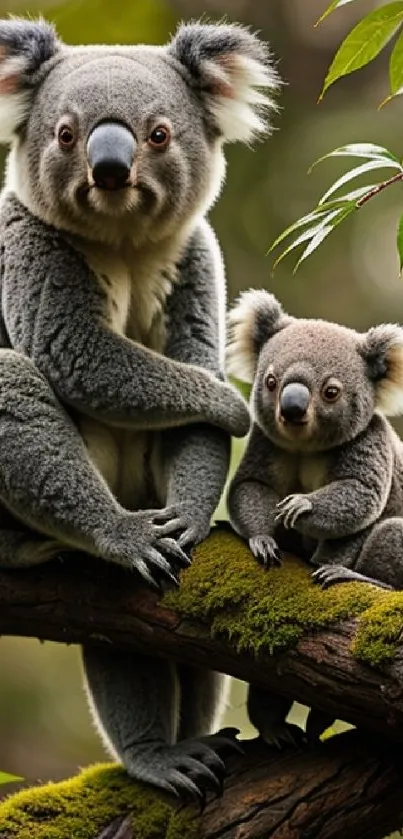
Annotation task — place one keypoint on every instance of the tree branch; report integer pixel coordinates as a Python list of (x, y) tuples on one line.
[(85, 600), (343, 788)]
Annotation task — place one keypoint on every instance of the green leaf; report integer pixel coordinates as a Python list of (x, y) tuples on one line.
[(322, 234), (368, 150), (357, 171), (400, 242), (334, 5), (396, 66), (308, 234), (365, 42), (315, 214), (5, 778)]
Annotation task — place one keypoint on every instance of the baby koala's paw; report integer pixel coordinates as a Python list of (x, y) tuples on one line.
[(266, 551), (291, 508)]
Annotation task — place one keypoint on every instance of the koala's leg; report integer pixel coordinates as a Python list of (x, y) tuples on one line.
[(23, 550), (204, 695), (374, 556), (48, 482), (135, 700), (267, 712)]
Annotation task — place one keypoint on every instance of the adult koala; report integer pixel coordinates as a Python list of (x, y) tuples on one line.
[(113, 297)]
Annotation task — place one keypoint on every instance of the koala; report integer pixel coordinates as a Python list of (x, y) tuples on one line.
[(115, 417), (322, 473)]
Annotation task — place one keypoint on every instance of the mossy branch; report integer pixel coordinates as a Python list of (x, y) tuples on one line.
[(273, 628), (346, 787)]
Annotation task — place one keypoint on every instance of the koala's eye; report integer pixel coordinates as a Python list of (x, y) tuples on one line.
[(66, 137), (160, 137), (331, 391), (271, 382)]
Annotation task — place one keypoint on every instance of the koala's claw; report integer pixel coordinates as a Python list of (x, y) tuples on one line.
[(291, 508), (266, 551), (331, 575), (189, 769), (187, 529)]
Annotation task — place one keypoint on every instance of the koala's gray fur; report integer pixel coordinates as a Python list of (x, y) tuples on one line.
[(321, 477), (115, 418)]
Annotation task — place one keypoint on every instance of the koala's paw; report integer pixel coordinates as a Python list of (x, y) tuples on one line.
[(191, 526), (148, 542), (291, 508), (266, 551), (283, 735), (189, 769), (330, 575)]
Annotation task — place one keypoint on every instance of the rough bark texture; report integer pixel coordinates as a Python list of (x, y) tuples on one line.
[(341, 790), (85, 600)]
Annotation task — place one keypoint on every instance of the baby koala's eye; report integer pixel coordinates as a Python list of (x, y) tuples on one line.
[(66, 136), (331, 390), (160, 137), (271, 382)]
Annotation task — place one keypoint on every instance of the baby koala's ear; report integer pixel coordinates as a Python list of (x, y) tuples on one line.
[(255, 318), (382, 349), (24, 46)]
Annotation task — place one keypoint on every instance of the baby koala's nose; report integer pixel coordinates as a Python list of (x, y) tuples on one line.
[(294, 401)]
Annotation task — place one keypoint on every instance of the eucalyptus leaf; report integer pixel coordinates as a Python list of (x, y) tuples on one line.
[(330, 216), (396, 66), (368, 150), (399, 242), (365, 41), (334, 5), (322, 234), (357, 171), (302, 222), (6, 778)]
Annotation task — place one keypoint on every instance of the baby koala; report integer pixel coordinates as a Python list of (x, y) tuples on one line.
[(322, 473)]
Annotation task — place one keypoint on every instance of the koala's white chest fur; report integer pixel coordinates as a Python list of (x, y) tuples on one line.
[(301, 472), (135, 284)]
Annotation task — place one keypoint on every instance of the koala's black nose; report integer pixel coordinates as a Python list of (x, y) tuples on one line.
[(110, 153), (294, 401)]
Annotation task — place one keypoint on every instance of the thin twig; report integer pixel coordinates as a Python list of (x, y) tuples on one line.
[(378, 188)]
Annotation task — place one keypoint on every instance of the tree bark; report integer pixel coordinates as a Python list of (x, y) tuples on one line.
[(342, 789), (89, 601)]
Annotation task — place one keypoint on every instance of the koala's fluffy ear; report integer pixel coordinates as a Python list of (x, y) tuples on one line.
[(227, 63), (255, 318), (24, 46), (382, 349)]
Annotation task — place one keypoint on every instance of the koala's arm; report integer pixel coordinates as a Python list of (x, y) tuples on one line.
[(252, 497), (196, 458), (54, 313), (357, 492)]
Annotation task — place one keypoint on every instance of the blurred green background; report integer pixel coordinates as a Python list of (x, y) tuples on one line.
[(45, 729)]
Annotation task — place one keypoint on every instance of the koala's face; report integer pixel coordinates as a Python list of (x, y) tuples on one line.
[(316, 384), (119, 141), (312, 389)]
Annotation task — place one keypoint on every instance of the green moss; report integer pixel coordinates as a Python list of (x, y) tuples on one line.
[(87, 803), (269, 610)]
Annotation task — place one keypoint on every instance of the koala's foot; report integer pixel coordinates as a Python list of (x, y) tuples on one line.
[(189, 769), (291, 508), (148, 542), (266, 551), (330, 575)]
